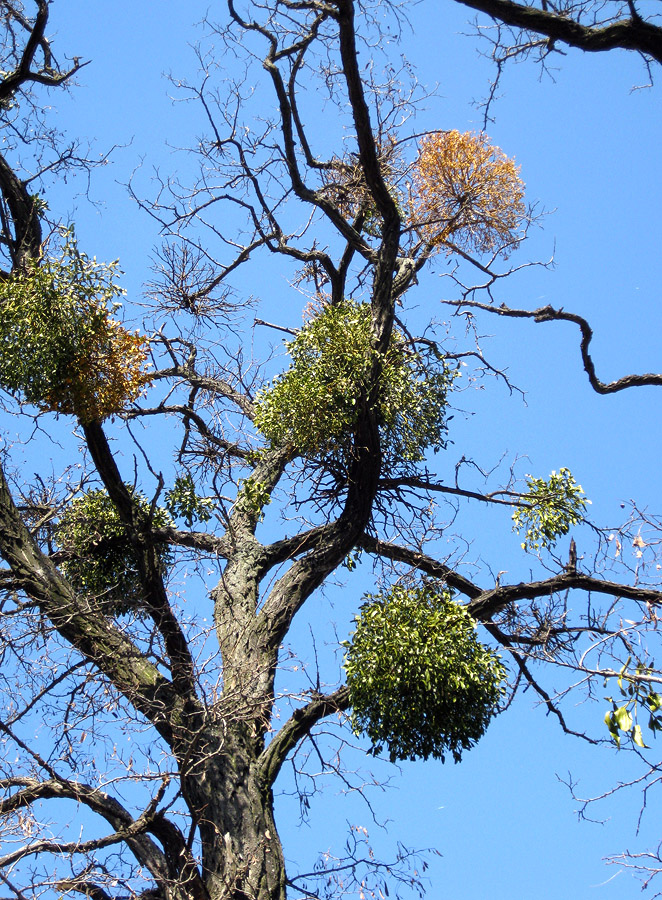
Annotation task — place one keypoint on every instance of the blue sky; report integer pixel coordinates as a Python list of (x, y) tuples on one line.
[(588, 146)]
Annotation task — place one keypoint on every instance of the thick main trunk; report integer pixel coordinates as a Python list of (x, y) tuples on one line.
[(242, 857)]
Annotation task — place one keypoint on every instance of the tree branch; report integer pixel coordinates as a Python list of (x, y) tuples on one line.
[(47, 74), (26, 242), (627, 34), (483, 607), (297, 727), (86, 629), (549, 314), (421, 561), (156, 598), (127, 829)]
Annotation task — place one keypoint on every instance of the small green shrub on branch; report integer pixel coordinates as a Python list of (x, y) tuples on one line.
[(60, 346), (315, 404), (421, 683), (552, 508), (637, 698), (183, 502), (99, 559)]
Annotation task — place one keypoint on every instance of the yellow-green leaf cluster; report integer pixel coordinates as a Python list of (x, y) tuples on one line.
[(638, 698), (421, 683), (550, 509), (60, 346), (315, 404), (183, 502), (468, 192)]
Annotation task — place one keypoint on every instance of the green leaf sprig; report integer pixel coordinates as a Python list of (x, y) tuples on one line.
[(551, 508)]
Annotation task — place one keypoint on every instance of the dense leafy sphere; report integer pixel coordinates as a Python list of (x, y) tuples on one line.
[(100, 561), (74, 357), (315, 404), (420, 681), (467, 192), (551, 508)]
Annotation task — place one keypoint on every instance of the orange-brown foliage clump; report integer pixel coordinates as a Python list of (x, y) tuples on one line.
[(466, 192), (104, 376), (60, 346)]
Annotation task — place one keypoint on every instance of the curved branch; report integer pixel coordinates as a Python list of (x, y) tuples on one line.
[(207, 383), (195, 540), (189, 414), (549, 314), (511, 499), (423, 562), (297, 727), (87, 888), (526, 673), (173, 863), (483, 607), (126, 828), (486, 603), (335, 540)]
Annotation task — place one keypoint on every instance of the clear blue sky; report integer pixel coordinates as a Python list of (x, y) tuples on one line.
[(589, 151)]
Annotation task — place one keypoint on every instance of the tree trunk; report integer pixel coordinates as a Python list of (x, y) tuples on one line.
[(242, 856)]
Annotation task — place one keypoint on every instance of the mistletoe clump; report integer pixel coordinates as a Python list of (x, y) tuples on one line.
[(420, 681), (184, 503), (315, 404), (467, 192), (75, 358), (99, 558), (550, 508)]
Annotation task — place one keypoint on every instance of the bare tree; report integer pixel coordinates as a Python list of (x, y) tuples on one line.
[(273, 486)]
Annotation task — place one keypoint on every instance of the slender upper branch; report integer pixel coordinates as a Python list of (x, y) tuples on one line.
[(383, 295), (499, 498), (288, 126), (368, 151)]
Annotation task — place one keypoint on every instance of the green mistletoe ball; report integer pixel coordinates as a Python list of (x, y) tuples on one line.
[(421, 683)]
